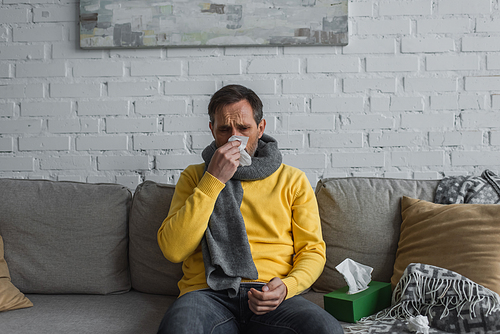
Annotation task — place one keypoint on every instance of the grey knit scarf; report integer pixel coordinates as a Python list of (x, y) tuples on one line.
[(225, 247)]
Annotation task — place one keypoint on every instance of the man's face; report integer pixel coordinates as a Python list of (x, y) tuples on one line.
[(237, 119)]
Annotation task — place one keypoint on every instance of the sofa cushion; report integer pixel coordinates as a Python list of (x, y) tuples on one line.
[(150, 271), (65, 237), (360, 219), (458, 237), (10, 296), (126, 313)]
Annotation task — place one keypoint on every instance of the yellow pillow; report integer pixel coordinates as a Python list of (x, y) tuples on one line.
[(464, 238), (10, 296)]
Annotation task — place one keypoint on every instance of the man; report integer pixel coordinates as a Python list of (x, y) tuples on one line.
[(249, 237)]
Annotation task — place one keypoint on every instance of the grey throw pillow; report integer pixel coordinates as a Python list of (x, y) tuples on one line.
[(360, 219), (65, 237), (150, 271)]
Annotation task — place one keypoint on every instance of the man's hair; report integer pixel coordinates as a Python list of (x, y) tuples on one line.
[(231, 94)]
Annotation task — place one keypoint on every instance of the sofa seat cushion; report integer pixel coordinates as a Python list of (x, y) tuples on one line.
[(360, 218), (463, 238), (127, 313), (150, 271), (65, 237)]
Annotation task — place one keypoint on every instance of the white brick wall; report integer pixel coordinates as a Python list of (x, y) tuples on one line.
[(415, 94)]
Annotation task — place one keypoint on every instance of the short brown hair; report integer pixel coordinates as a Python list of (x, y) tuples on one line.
[(231, 94)]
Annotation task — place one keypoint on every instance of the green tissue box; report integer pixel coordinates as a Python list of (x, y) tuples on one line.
[(351, 308)]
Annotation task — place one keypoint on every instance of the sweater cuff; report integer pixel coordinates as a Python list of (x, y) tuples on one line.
[(210, 185), (291, 286)]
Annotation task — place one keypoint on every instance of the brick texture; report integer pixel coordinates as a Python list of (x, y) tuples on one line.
[(414, 94)]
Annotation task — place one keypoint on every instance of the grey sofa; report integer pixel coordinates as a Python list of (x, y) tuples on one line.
[(86, 254)]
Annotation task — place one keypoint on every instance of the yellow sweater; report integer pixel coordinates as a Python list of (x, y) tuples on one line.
[(281, 218)]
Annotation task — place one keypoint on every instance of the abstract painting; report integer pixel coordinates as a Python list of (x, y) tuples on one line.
[(157, 23)]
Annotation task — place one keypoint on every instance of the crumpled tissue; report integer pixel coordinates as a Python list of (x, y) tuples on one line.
[(356, 275), (419, 324), (245, 159)]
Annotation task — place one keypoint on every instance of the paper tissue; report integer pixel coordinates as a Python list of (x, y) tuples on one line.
[(419, 324), (356, 275), (361, 297), (245, 159)]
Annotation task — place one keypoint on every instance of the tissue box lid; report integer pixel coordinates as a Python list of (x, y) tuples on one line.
[(351, 308)]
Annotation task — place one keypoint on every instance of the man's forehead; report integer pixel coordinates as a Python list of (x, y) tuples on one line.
[(234, 114)]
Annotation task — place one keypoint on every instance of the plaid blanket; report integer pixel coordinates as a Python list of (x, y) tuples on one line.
[(451, 302)]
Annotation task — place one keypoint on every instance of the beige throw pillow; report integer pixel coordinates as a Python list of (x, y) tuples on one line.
[(460, 237), (10, 296)]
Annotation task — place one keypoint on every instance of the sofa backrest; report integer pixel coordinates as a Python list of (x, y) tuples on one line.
[(70, 237), (65, 237), (150, 271), (360, 219)]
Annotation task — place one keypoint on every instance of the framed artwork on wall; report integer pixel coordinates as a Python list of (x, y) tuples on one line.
[(182, 23)]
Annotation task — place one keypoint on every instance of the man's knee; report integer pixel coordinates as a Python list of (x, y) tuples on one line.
[(316, 320), (298, 315), (196, 313), (321, 322)]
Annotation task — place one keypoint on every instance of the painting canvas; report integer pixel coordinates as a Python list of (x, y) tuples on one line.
[(157, 23)]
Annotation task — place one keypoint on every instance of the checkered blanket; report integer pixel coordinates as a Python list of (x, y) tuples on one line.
[(451, 302)]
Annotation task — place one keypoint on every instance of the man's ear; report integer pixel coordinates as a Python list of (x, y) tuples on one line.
[(211, 128), (261, 127)]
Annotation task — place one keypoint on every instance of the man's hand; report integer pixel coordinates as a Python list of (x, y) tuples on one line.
[(272, 295), (225, 161)]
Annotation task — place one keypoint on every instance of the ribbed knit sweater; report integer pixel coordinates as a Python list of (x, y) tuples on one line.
[(281, 218)]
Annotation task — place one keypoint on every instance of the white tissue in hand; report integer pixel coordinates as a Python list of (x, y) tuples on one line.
[(419, 324), (245, 159), (356, 275)]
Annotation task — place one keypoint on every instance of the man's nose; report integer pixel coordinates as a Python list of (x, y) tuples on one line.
[(235, 132)]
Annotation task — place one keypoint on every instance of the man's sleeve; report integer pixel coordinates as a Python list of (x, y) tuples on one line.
[(192, 204), (310, 251)]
